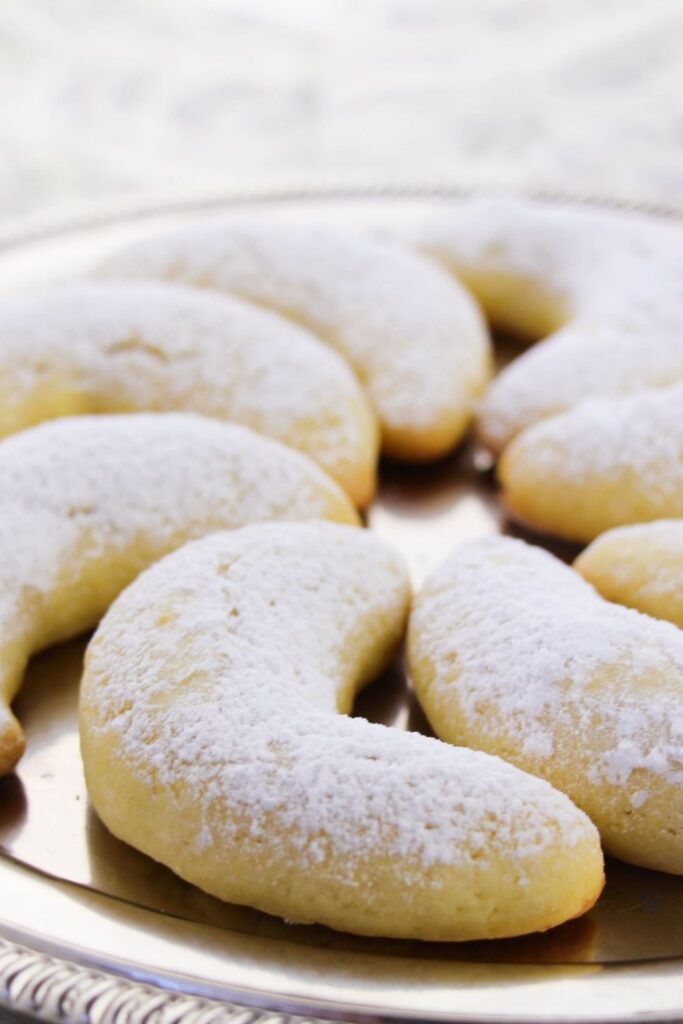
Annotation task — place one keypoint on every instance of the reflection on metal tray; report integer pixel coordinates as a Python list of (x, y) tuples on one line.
[(133, 916)]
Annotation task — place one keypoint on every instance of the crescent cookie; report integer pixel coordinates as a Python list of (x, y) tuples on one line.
[(639, 566), (604, 289), (414, 336), (513, 653), (87, 503), (140, 347), (212, 741), (605, 463)]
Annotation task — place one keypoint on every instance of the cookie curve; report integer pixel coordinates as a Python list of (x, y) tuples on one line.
[(598, 291), (576, 690), (87, 502), (605, 463), (91, 347), (415, 338), (328, 837), (640, 566)]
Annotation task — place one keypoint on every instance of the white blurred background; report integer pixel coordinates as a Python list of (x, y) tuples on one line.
[(103, 99)]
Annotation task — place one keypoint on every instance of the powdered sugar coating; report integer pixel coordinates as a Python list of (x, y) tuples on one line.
[(156, 347), (86, 503), (608, 287), (414, 337), (276, 625), (641, 434), (514, 653), (156, 473), (604, 463), (606, 359)]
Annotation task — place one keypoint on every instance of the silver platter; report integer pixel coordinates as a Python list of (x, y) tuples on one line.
[(90, 930)]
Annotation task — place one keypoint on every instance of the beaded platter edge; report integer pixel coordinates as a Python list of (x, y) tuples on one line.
[(55, 990)]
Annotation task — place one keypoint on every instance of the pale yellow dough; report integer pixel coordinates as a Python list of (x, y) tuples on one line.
[(604, 463), (604, 290), (414, 336), (513, 653), (639, 566), (157, 347), (212, 741), (87, 503)]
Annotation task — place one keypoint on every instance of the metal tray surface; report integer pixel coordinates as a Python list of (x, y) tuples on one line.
[(91, 929)]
